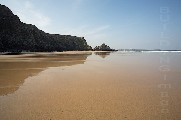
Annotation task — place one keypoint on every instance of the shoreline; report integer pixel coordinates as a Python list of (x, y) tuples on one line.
[(47, 53)]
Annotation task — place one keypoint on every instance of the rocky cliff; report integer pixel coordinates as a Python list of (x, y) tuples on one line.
[(16, 36)]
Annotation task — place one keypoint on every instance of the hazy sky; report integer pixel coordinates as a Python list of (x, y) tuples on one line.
[(149, 24)]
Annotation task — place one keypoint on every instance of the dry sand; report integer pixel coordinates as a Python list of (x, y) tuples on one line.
[(119, 86)]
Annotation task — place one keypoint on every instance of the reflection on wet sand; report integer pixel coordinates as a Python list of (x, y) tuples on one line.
[(102, 54), (124, 86), (15, 69)]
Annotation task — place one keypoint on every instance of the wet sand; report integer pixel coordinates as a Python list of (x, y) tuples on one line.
[(96, 86)]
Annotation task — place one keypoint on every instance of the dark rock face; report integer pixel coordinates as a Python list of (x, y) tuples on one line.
[(16, 36)]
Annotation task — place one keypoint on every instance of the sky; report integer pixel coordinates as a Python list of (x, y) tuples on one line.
[(121, 24)]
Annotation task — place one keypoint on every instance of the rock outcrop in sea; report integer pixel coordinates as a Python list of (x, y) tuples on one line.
[(103, 47)]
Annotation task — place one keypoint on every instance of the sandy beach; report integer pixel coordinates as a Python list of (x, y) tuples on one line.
[(90, 86)]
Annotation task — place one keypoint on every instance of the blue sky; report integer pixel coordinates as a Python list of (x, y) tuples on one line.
[(118, 23)]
